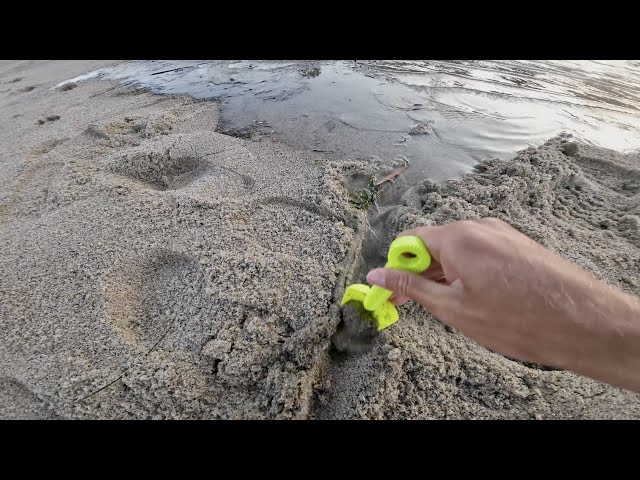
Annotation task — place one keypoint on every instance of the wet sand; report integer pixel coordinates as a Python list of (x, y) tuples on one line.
[(584, 205), (156, 268)]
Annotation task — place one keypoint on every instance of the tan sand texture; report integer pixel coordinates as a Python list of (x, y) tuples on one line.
[(153, 268), (190, 271)]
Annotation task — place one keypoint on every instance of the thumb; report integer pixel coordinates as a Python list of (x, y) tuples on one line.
[(407, 284)]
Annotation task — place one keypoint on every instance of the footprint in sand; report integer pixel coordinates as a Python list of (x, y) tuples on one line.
[(166, 303), (46, 147), (167, 163), (18, 402), (50, 118), (164, 297), (159, 170), (297, 205), (131, 131)]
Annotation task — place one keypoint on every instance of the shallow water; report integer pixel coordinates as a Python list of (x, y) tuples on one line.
[(466, 111), (460, 112)]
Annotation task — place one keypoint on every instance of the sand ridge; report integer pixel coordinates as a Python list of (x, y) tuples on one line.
[(585, 206)]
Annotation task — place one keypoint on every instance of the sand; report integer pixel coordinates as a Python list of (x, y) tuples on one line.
[(584, 206), (153, 267), (191, 272)]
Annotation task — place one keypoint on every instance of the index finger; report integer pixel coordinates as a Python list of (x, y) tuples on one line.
[(433, 237)]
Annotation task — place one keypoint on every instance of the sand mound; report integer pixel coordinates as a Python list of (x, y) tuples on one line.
[(583, 204)]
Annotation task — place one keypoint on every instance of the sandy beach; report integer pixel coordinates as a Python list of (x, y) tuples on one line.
[(155, 268)]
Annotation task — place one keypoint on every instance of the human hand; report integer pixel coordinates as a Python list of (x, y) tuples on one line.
[(517, 298)]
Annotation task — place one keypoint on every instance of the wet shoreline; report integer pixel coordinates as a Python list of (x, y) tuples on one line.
[(441, 116)]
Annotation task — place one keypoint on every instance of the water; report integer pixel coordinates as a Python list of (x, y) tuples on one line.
[(468, 110), (460, 111)]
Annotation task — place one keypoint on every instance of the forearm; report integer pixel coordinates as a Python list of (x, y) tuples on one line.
[(607, 343), (520, 299)]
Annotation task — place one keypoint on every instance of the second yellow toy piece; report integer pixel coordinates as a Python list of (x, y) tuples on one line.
[(405, 253)]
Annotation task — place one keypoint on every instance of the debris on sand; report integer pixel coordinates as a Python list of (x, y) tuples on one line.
[(570, 148), (390, 178), (311, 72), (364, 198), (424, 128), (65, 87)]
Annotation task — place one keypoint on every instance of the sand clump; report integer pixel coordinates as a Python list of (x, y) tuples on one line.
[(153, 267)]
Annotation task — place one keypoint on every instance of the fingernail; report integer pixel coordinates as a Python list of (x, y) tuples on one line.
[(376, 277)]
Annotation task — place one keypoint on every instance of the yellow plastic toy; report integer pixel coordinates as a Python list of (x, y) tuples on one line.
[(405, 253)]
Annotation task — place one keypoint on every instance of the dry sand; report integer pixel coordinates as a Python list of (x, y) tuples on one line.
[(153, 268), (139, 245)]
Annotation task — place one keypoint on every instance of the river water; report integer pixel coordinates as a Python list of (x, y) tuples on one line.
[(440, 116), (460, 112)]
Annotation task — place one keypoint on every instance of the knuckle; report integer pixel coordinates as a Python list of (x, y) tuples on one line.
[(423, 230), (403, 284), (493, 221), (467, 227), (418, 231)]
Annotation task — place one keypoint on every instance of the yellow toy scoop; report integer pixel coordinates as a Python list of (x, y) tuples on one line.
[(367, 310)]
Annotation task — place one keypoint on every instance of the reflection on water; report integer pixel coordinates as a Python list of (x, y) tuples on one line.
[(441, 116)]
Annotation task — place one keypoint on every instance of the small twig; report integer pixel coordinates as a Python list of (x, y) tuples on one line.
[(168, 71), (166, 332), (371, 229), (391, 176), (101, 388), (214, 153), (323, 151)]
